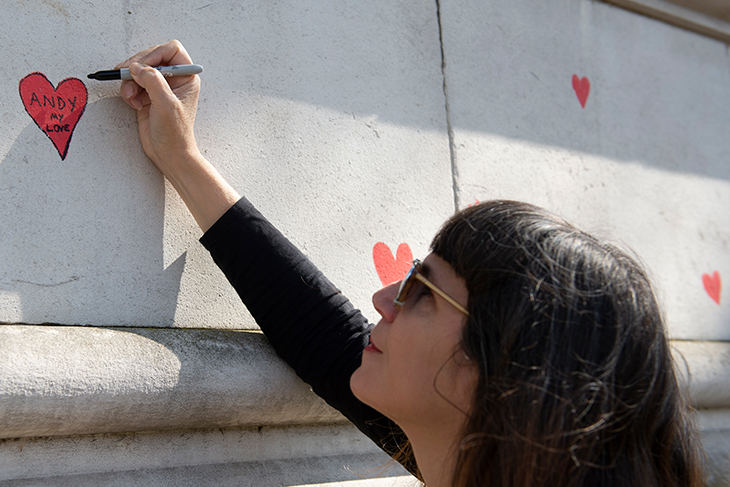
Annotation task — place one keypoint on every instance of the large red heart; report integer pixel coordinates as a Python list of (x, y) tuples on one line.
[(713, 285), (582, 87), (56, 111), (391, 269)]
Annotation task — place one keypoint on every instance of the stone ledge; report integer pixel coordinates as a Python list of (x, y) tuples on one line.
[(705, 367), (714, 427), (259, 456), (62, 380)]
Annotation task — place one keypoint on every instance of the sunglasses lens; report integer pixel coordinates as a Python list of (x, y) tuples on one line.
[(400, 299), (405, 286)]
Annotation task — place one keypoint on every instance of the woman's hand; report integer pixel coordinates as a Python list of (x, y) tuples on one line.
[(166, 117), (165, 106)]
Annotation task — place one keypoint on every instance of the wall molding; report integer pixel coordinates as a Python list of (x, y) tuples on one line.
[(66, 380)]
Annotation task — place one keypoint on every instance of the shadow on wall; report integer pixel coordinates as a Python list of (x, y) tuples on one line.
[(82, 239), (508, 72), (590, 77)]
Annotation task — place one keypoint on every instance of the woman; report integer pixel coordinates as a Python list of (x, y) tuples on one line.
[(520, 352)]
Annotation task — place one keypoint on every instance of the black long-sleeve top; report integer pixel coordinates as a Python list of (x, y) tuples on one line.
[(307, 320)]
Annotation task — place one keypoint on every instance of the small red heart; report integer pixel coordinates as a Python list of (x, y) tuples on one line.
[(713, 285), (391, 269), (55, 111), (582, 87)]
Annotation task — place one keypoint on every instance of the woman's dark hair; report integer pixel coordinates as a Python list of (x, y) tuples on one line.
[(576, 379)]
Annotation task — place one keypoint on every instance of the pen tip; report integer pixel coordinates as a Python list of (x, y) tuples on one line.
[(91, 76)]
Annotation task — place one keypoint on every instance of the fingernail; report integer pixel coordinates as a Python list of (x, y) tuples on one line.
[(136, 102), (128, 90)]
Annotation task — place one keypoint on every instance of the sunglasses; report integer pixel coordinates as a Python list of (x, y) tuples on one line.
[(416, 274)]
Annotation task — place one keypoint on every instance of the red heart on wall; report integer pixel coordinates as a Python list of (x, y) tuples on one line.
[(55, 111), (713, 285), (391, 269), (582, 87)]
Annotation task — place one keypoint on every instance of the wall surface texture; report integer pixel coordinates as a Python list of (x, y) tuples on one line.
[(125, 356)]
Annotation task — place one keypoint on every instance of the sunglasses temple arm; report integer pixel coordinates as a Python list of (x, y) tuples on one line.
[(438, 291)]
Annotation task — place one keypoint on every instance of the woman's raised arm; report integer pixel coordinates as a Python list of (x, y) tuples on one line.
[(166, 117)]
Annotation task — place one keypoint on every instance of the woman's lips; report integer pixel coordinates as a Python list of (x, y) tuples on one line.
[(372, 348)]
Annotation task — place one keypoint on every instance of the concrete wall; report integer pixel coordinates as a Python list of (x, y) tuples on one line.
[(385, 118)]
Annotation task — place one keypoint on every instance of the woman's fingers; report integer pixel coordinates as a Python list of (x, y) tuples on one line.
[(151, 81), (131, 92), (166, 54)]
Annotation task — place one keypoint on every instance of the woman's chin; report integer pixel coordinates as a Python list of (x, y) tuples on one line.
[(361, 386)]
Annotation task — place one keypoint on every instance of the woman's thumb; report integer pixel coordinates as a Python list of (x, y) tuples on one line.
[(153, 83)]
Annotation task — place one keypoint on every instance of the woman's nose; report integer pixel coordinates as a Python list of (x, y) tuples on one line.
[(383, 301)]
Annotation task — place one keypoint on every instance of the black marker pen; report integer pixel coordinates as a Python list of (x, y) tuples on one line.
[(178, 70)]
